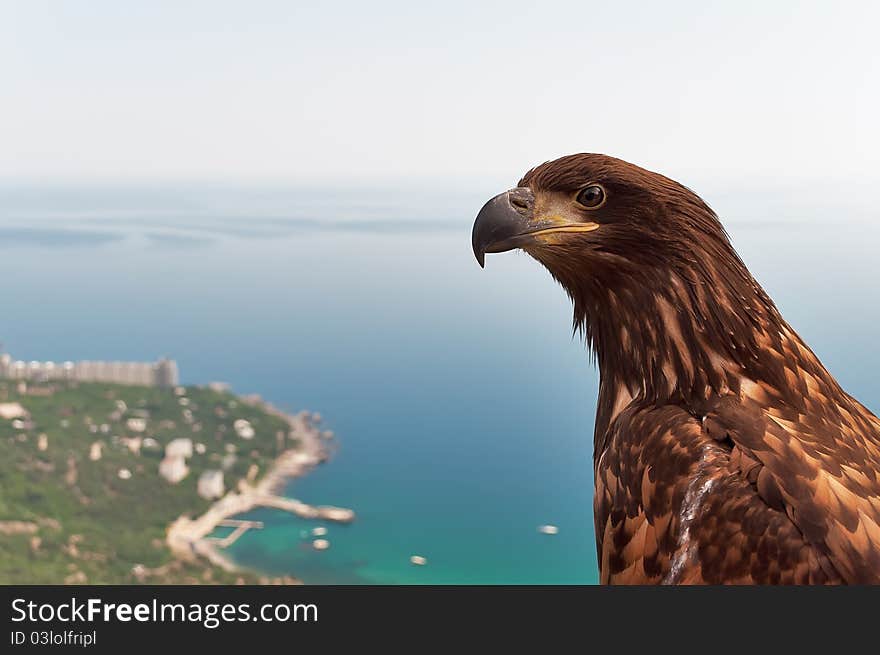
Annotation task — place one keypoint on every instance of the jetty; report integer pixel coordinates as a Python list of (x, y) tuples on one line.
[(240, 528), (189, 537)]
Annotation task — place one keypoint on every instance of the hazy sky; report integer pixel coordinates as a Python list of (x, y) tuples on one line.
[(304, 92)]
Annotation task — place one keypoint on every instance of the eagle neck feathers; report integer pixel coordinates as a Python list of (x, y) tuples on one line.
[(683, 336)]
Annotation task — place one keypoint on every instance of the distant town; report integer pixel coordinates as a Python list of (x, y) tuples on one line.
[(162, 374), (92, 446)]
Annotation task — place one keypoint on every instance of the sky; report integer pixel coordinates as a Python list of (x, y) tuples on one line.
[(348, 93)]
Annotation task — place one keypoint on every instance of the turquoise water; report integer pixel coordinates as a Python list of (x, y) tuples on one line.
[(462, 405)]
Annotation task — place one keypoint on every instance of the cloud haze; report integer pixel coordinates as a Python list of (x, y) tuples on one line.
[(352, 92)]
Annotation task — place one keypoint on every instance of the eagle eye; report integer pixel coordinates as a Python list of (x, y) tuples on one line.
[(591, 197)]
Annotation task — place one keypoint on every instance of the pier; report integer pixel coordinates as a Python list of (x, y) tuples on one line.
[(240, 528), (188, 537)]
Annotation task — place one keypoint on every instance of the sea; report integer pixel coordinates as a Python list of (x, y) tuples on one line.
[(461, 401)]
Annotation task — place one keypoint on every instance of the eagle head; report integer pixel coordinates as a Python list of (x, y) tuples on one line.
[(656, 285), (590, 213)]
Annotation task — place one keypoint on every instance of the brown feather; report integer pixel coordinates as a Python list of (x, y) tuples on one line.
[(725, 452)]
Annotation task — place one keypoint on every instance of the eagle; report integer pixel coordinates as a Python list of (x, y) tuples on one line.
[(724, 452)]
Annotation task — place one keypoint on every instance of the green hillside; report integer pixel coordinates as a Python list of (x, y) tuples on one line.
[(67, 518)]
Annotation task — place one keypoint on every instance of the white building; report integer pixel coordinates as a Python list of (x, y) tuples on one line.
[(163, 373), (133, 444), (10, 411), (136, 424), (179, 448), (211, 484), (173, 469), (244, 429), (95, 451)]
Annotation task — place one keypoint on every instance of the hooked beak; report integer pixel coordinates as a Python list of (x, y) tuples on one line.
[(508, 221)]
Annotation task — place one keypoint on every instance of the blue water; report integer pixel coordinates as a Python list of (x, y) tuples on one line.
[(462, 405)]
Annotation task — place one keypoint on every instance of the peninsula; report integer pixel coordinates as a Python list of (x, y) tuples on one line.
[(125, 483)]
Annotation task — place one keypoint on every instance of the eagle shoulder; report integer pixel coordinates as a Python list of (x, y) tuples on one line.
[(675, 505)]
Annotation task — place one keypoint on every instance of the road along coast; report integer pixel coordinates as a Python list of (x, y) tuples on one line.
[(189, 537)]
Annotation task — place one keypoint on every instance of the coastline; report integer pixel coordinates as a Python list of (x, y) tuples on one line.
[(188, 538)]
